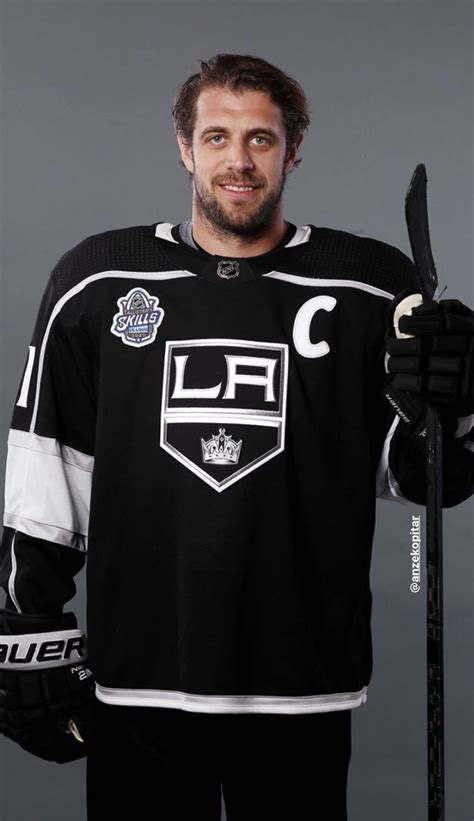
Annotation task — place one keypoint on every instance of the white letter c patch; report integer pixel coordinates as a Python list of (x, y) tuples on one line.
[(302, 324)]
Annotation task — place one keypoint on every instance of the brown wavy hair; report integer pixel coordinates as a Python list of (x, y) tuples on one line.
[(238, 72)]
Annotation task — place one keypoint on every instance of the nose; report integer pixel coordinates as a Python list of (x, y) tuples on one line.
[(238, 158)]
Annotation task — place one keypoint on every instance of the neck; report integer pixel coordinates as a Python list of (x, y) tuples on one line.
[(215, 240)]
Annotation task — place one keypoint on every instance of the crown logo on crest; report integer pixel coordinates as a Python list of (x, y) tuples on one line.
[(221, 449)]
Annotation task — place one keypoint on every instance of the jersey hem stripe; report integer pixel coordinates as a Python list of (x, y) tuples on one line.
[(231, 704)]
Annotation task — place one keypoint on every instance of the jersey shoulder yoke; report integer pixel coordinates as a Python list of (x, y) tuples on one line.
[(132, 248), (336, 254)]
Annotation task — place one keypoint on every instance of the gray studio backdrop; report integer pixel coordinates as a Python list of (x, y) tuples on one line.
[(88, 145)]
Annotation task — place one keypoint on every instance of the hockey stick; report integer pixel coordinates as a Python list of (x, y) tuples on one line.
[(416, 214)]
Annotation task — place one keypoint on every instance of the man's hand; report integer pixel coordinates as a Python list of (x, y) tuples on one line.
[(435, 364), (37, 701)]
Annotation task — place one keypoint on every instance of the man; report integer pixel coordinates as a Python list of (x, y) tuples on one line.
[(202, 411)]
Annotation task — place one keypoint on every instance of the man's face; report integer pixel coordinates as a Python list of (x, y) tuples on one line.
[(239, 139)]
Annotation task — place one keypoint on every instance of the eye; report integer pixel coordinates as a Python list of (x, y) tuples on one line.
[(220, 137)]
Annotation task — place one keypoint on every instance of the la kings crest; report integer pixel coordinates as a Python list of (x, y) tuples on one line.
[(224, 406)]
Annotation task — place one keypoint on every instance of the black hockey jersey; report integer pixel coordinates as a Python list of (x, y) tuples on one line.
[(211, 433)]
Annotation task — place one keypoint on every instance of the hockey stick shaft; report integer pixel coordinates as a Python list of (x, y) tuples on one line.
[(434, 618), (416, 213)]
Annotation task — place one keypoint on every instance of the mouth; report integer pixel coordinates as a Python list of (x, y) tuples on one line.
[(239, 191)]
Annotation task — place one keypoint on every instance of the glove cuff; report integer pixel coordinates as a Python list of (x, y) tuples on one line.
[(31, 642)]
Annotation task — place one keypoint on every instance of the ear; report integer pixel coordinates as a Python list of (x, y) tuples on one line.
[(186, 152), (290, 160)]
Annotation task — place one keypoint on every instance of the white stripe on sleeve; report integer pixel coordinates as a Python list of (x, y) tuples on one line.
[(23, 398), (47, 489)]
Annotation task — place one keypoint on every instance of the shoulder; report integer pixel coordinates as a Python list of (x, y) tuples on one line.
[(130, 248), (344, 255)]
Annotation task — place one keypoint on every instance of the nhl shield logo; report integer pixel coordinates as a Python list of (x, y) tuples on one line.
[(138, 319), (228, 268), (223, 431)]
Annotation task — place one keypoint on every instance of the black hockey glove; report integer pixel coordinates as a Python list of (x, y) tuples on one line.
[(431, 360), (47, 694)]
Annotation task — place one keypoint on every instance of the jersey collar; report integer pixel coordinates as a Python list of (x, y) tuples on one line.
[(227, 270)]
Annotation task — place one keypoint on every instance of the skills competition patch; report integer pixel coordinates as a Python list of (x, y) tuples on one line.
[(138, 319), (223, 406)]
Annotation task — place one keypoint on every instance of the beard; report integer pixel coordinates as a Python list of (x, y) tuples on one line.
[(238, 219)]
